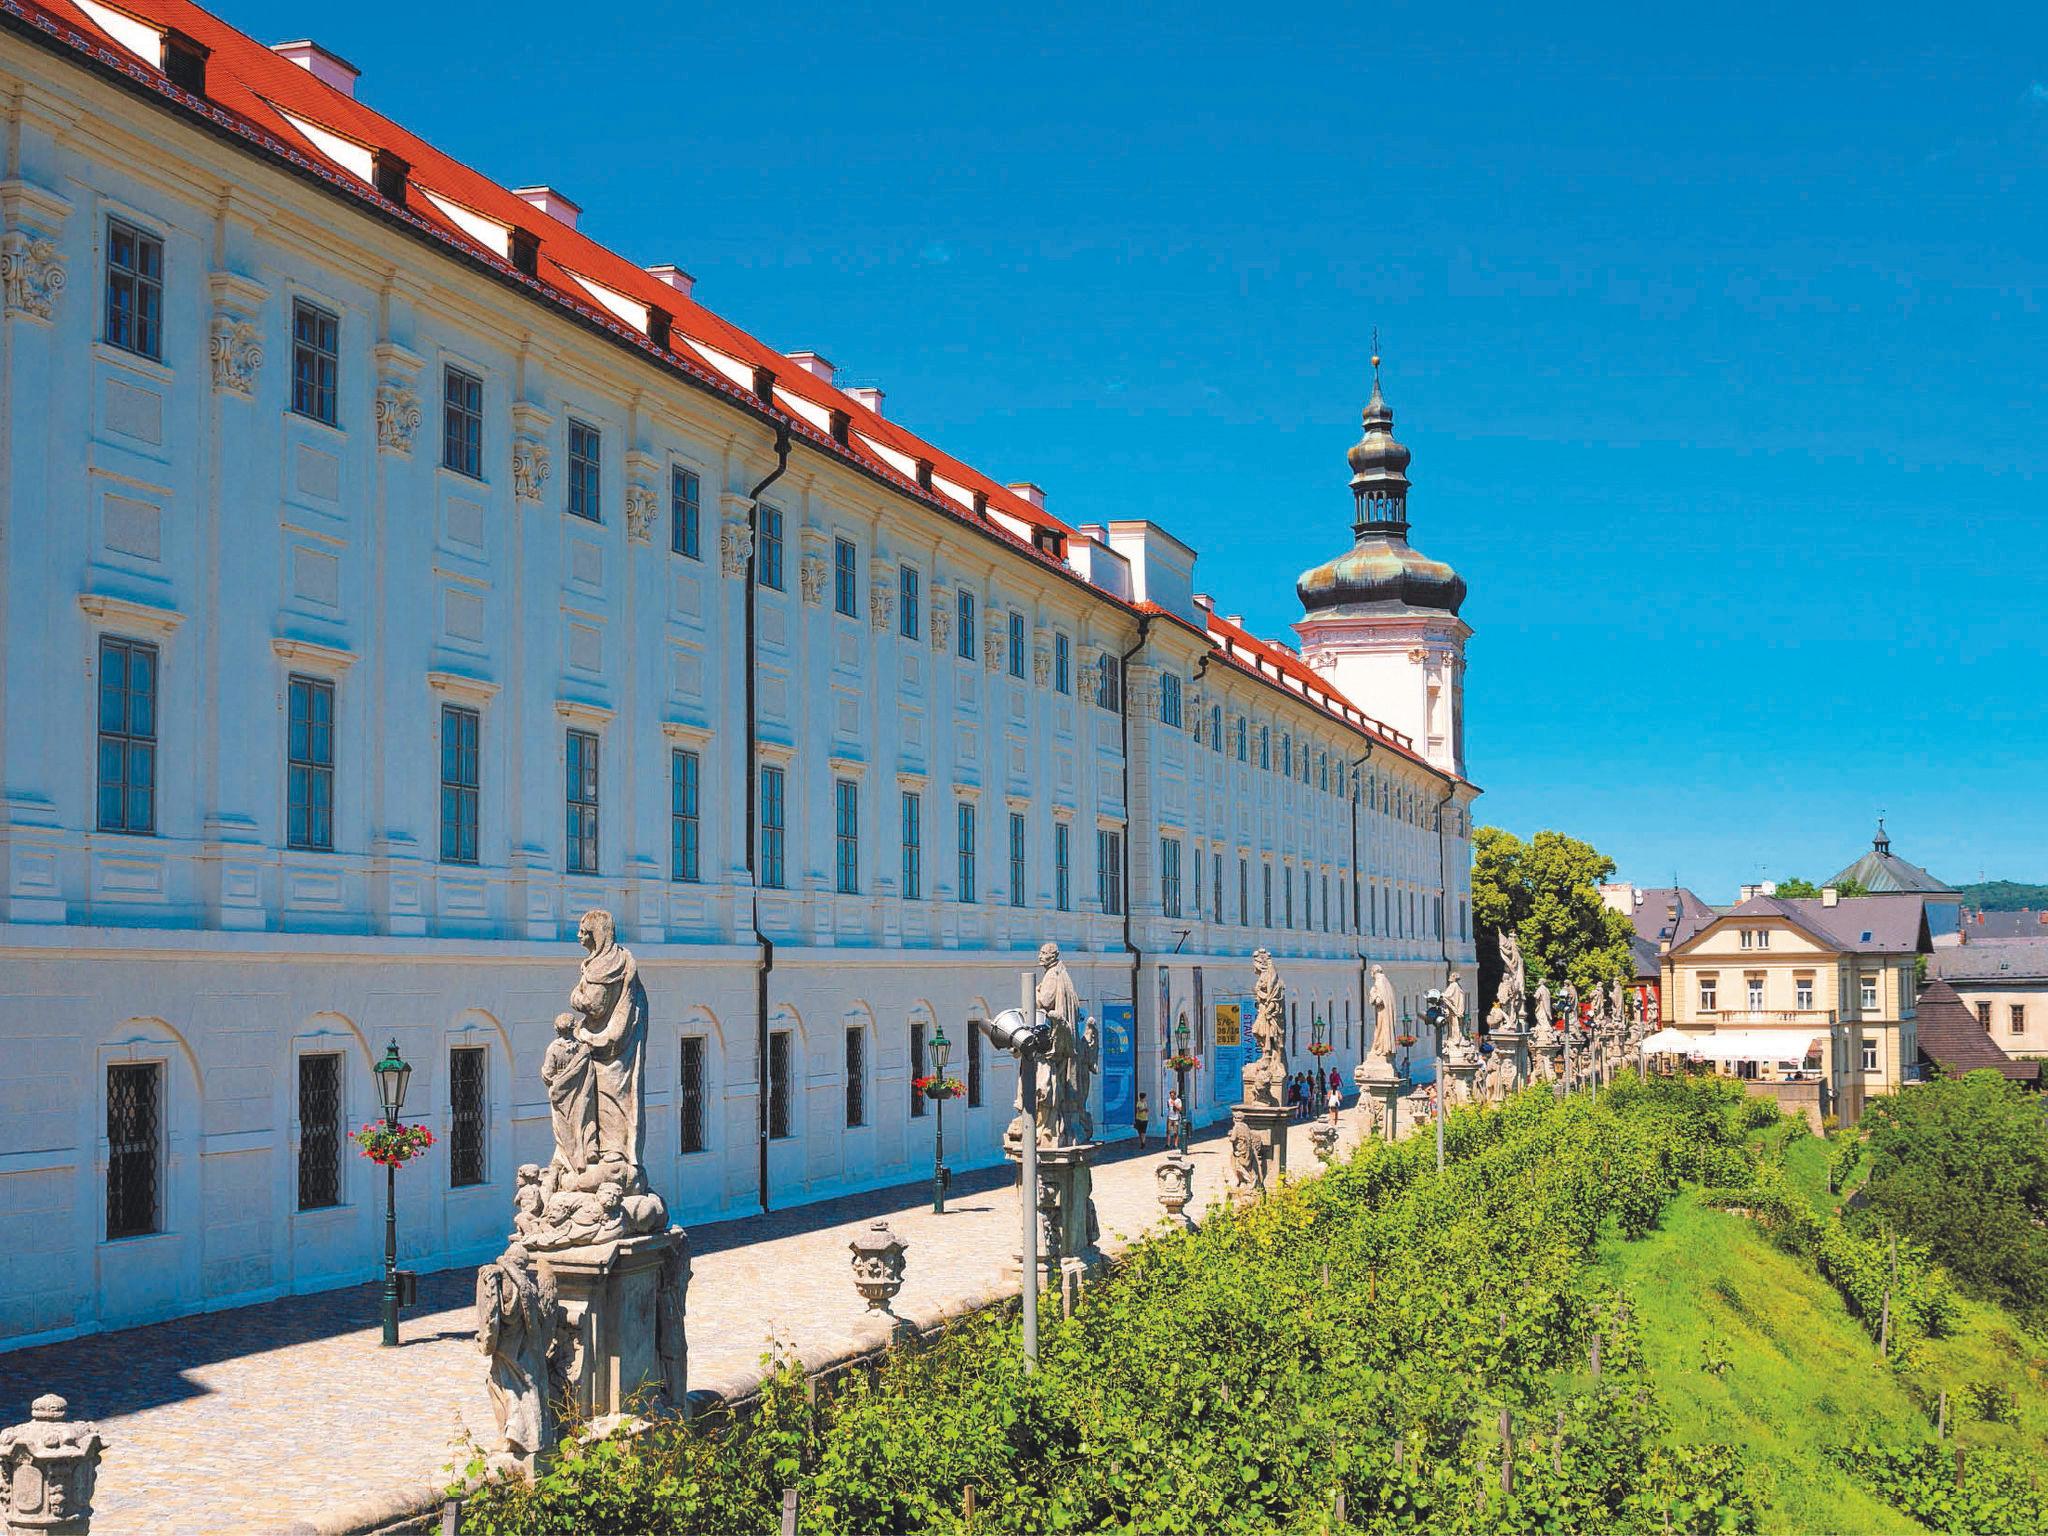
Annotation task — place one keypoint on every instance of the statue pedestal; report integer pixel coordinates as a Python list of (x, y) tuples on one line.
[(1268, 1126), (1461, 1065), (1067, 1231), (1381, 1091), (607, 1353), (1546, 1051), (1511, 1051)]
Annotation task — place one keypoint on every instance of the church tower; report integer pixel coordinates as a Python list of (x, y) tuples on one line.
[(1382, 618)]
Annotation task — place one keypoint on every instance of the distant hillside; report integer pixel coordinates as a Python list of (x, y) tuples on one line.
[(2004, 895)]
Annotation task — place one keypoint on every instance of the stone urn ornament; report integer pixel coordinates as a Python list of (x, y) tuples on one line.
[(1175, 1176), (47, 1470), (1322, 1140), (878, 1265)]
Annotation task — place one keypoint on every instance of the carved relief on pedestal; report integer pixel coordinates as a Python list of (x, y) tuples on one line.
[(1041, 665), (234, 341), (531, 460), (881, 604), (31, 273), (992, 645), (641, 500), (942, 622), (735, 536), (398, 418)]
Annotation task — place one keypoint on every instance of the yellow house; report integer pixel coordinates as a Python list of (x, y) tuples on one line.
[(1811, 1000)]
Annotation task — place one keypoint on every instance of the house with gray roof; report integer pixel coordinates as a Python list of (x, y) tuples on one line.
[(1882, 872), (2004, 984)]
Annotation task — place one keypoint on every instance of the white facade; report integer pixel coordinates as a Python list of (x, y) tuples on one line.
[(176, 513)]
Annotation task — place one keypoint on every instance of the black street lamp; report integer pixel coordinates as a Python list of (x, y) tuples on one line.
[(1180, 1075), (942, 1050), (393, 1073)]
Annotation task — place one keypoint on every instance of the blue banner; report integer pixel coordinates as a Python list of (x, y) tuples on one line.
[(1230, 1047), (1119, 1070)]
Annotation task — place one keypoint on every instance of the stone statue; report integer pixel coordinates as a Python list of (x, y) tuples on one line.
[(1546, 1020), (1382, 1017), (516, 1318), (1617, 1004), (617, 1038), (1512, 977), (528, 1201), (1454, 1006), (1264, 1078), (670, 1317), (566, 1073), (1247, 1161), (1570, 1013), (1063, 1073), (579, 1219)]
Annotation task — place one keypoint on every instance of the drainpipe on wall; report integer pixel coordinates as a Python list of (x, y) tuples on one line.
[(1358, 885), (764, 946), (1123, 699)]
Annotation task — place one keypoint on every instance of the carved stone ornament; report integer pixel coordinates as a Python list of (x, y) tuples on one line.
[(878, 1265), (881, 604), (1175, 1176), (810, 576), (1041, 666), (47, 1470), (735, 544), (237, 352), (31, 273), (992, 646), (398, 418), (641, 504), (530, 466), (942, 623)]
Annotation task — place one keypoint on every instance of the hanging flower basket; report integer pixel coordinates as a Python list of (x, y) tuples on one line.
[(1404, 1041), (1180, 1062), (392, 1145), (1321, 1048), (939, 1087)]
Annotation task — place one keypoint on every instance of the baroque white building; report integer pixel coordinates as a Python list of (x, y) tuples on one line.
[(389, 572)]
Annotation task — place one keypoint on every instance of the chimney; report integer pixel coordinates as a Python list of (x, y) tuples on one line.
[(816, 364), (1829, 895), (868, 396), (328, 68), (1034, 494), (675, 277), (549, 202)]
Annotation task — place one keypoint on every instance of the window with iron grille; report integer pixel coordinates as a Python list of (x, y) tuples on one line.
[(1169, 876), (1109, 869), (768, 557), (1062, 866), (581, 806), (1326, 902), (1216, 888), (316, 360), (973, 1065), (135, 290), (773, 831), (965, 638), (310, 767), (585, 447), (461, 730), (134, 1147), (1287, 891), (1016, 859), (909, 620), (127, 755), (913, 845), (779, 1069), (843, 594), (319, 1130), (684, 512), (1062, 661), (690, 1095), (846, 821), (468, 1107), (917, 1070), (1195, 886), (856, 1076), (1016, 643), (1244, 892), (462, 422), (1266, 877), (963, 820), (684, 824)]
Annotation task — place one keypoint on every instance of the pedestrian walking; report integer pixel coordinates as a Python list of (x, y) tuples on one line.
[(1336, 1102), (1176, 1122), (1141, 1117)]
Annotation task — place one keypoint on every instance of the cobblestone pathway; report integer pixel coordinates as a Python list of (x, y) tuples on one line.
[(289, 1417)]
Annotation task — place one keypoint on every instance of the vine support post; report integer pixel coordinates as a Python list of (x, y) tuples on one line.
[(1941, 1417), (1507, 1452)]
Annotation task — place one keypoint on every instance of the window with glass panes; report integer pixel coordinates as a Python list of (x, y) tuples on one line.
[(965, 625), (685, 826), (1287, 892), (1016, 859), (468, 1115), (316, 355), (690, 1095), (1240, 732), (768, 557), (856, 1076), (973, 1066), (127, 736), (462, 422), (585, 448), (1195, 886), (1016, 643), (135, 290), (1216, 729), (1266, 877), (309, 771), (1244, 892), (1216, 887), (963, 821), (580, 837), (1062, 866), (781, 1065), (1062, 662), (1169, 876), (1169, 699), (319, 1130), (909, 621), (685, 512), (1109, 678), (846, 832), (1109, 869), (843, 594), (913, 845), (917, 1070), (461, 772), (774, 830), (134, 1147)]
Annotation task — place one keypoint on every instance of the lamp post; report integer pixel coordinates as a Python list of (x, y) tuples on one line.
[(393, 1073), (1433, 1014), (942, 1050), (1180, 1074)]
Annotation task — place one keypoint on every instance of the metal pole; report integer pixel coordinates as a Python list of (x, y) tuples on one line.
[(1443, 1101), (939, 1158), (1027, 1086), (390, 1253)]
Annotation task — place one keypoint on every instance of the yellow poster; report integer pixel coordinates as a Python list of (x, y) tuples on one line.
[(1229, 1028)]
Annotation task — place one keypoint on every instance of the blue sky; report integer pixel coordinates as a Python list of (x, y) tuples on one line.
[(1717, 336)]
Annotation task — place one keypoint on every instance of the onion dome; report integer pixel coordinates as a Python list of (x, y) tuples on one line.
[(1381, 571)]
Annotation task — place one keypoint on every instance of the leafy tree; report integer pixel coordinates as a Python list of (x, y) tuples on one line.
[(2004, 895), (1545, 890), (1961, 1166), (1796, 888)]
